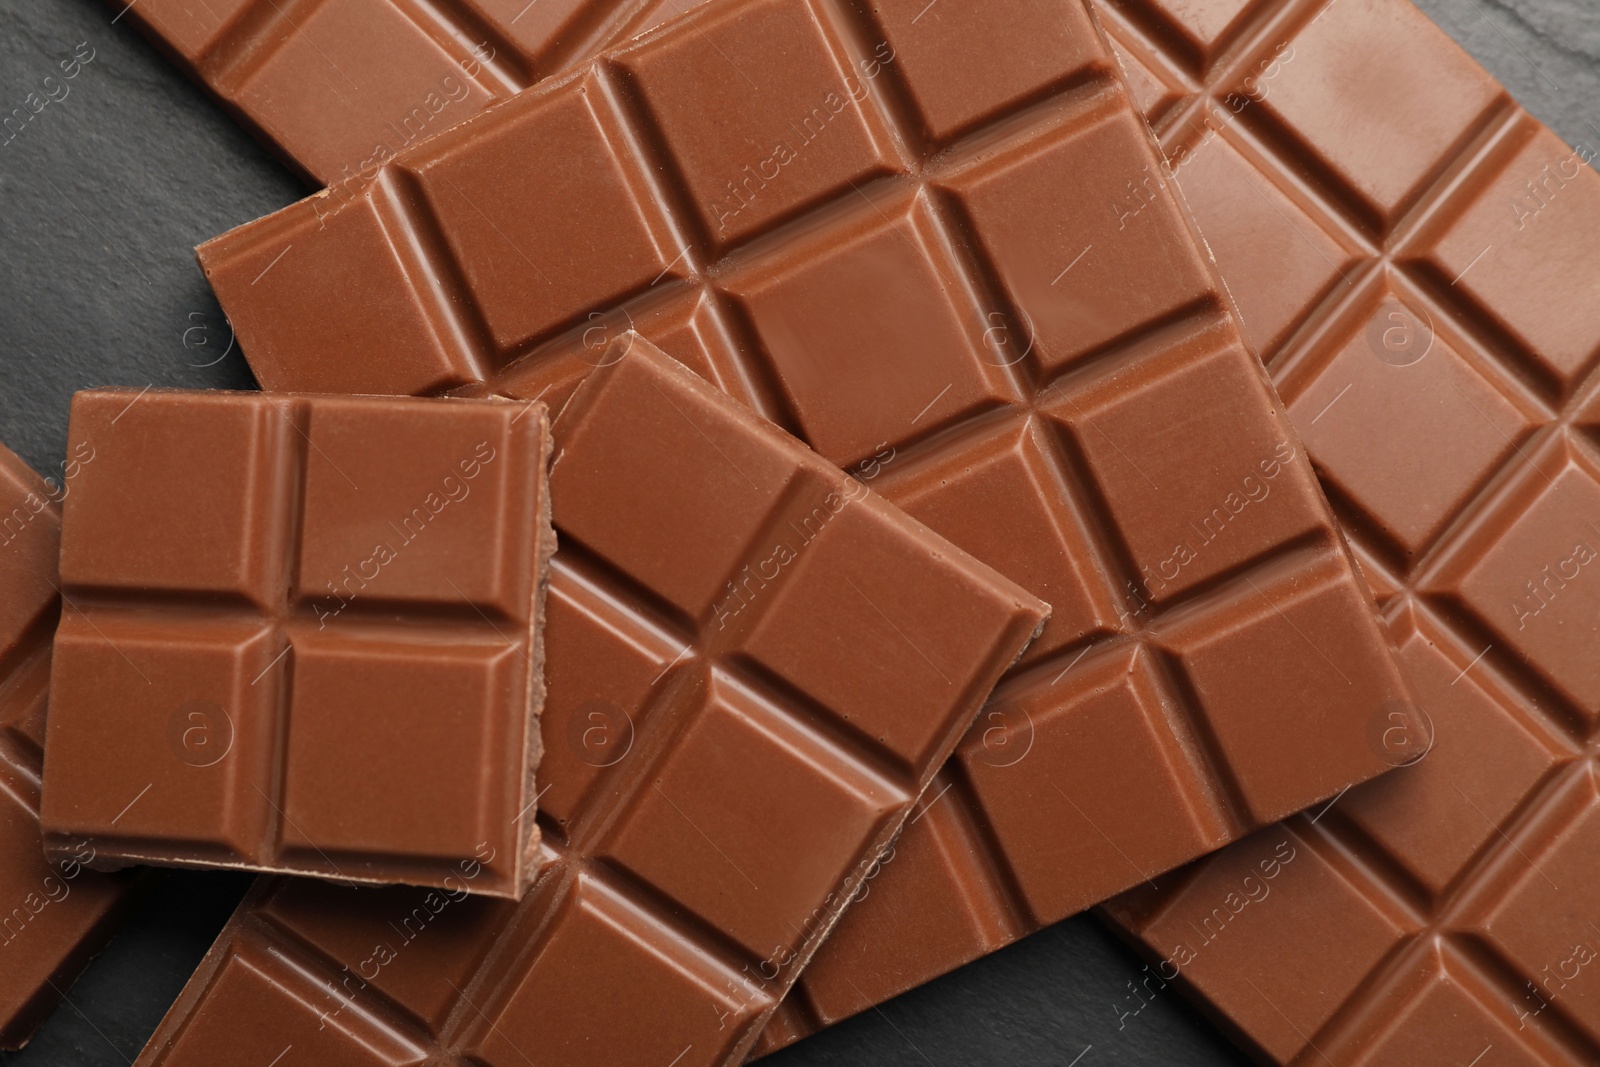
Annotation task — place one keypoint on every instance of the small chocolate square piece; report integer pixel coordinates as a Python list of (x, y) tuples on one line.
[(303, 634)]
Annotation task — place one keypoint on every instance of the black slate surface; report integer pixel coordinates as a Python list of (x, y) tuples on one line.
[(103, 195)]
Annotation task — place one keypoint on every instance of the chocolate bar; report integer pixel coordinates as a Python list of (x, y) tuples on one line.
[(958, 264), (304, 636), (54, 915), (1423, 299), (337, 89), (758, 663)]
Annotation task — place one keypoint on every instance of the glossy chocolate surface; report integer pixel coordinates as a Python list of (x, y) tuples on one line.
[(1413, 256), (756, 666), (992, 299), (302, 635), (54, 915)]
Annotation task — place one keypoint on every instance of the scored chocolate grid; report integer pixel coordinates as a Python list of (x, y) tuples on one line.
[(374, 617), (1313, 340), (259, 32), (712, 279), (565, 847), (618, 602), (588, 577), (1466, 650), (1030, 389), (1091, 97), (1084, 97)]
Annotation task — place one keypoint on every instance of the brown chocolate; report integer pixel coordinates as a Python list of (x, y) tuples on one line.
[(978, 284), (303, 636), (338, 88), (1413, 255), (777, 661), (54, 915)]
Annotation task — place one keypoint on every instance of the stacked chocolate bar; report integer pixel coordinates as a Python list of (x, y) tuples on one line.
[(755, 506)]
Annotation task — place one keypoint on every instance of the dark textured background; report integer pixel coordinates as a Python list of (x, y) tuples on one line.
[(102, 199)]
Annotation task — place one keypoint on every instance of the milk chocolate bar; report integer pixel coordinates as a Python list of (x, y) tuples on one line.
[(1413, 256), (959, 264), (760, 664), (54, 915), (304, 636), (338, 88)]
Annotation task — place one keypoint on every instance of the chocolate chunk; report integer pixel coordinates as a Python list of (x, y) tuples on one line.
[(782, 660), (992, 300), (303, 635), (54, 915), (1413, 255)]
